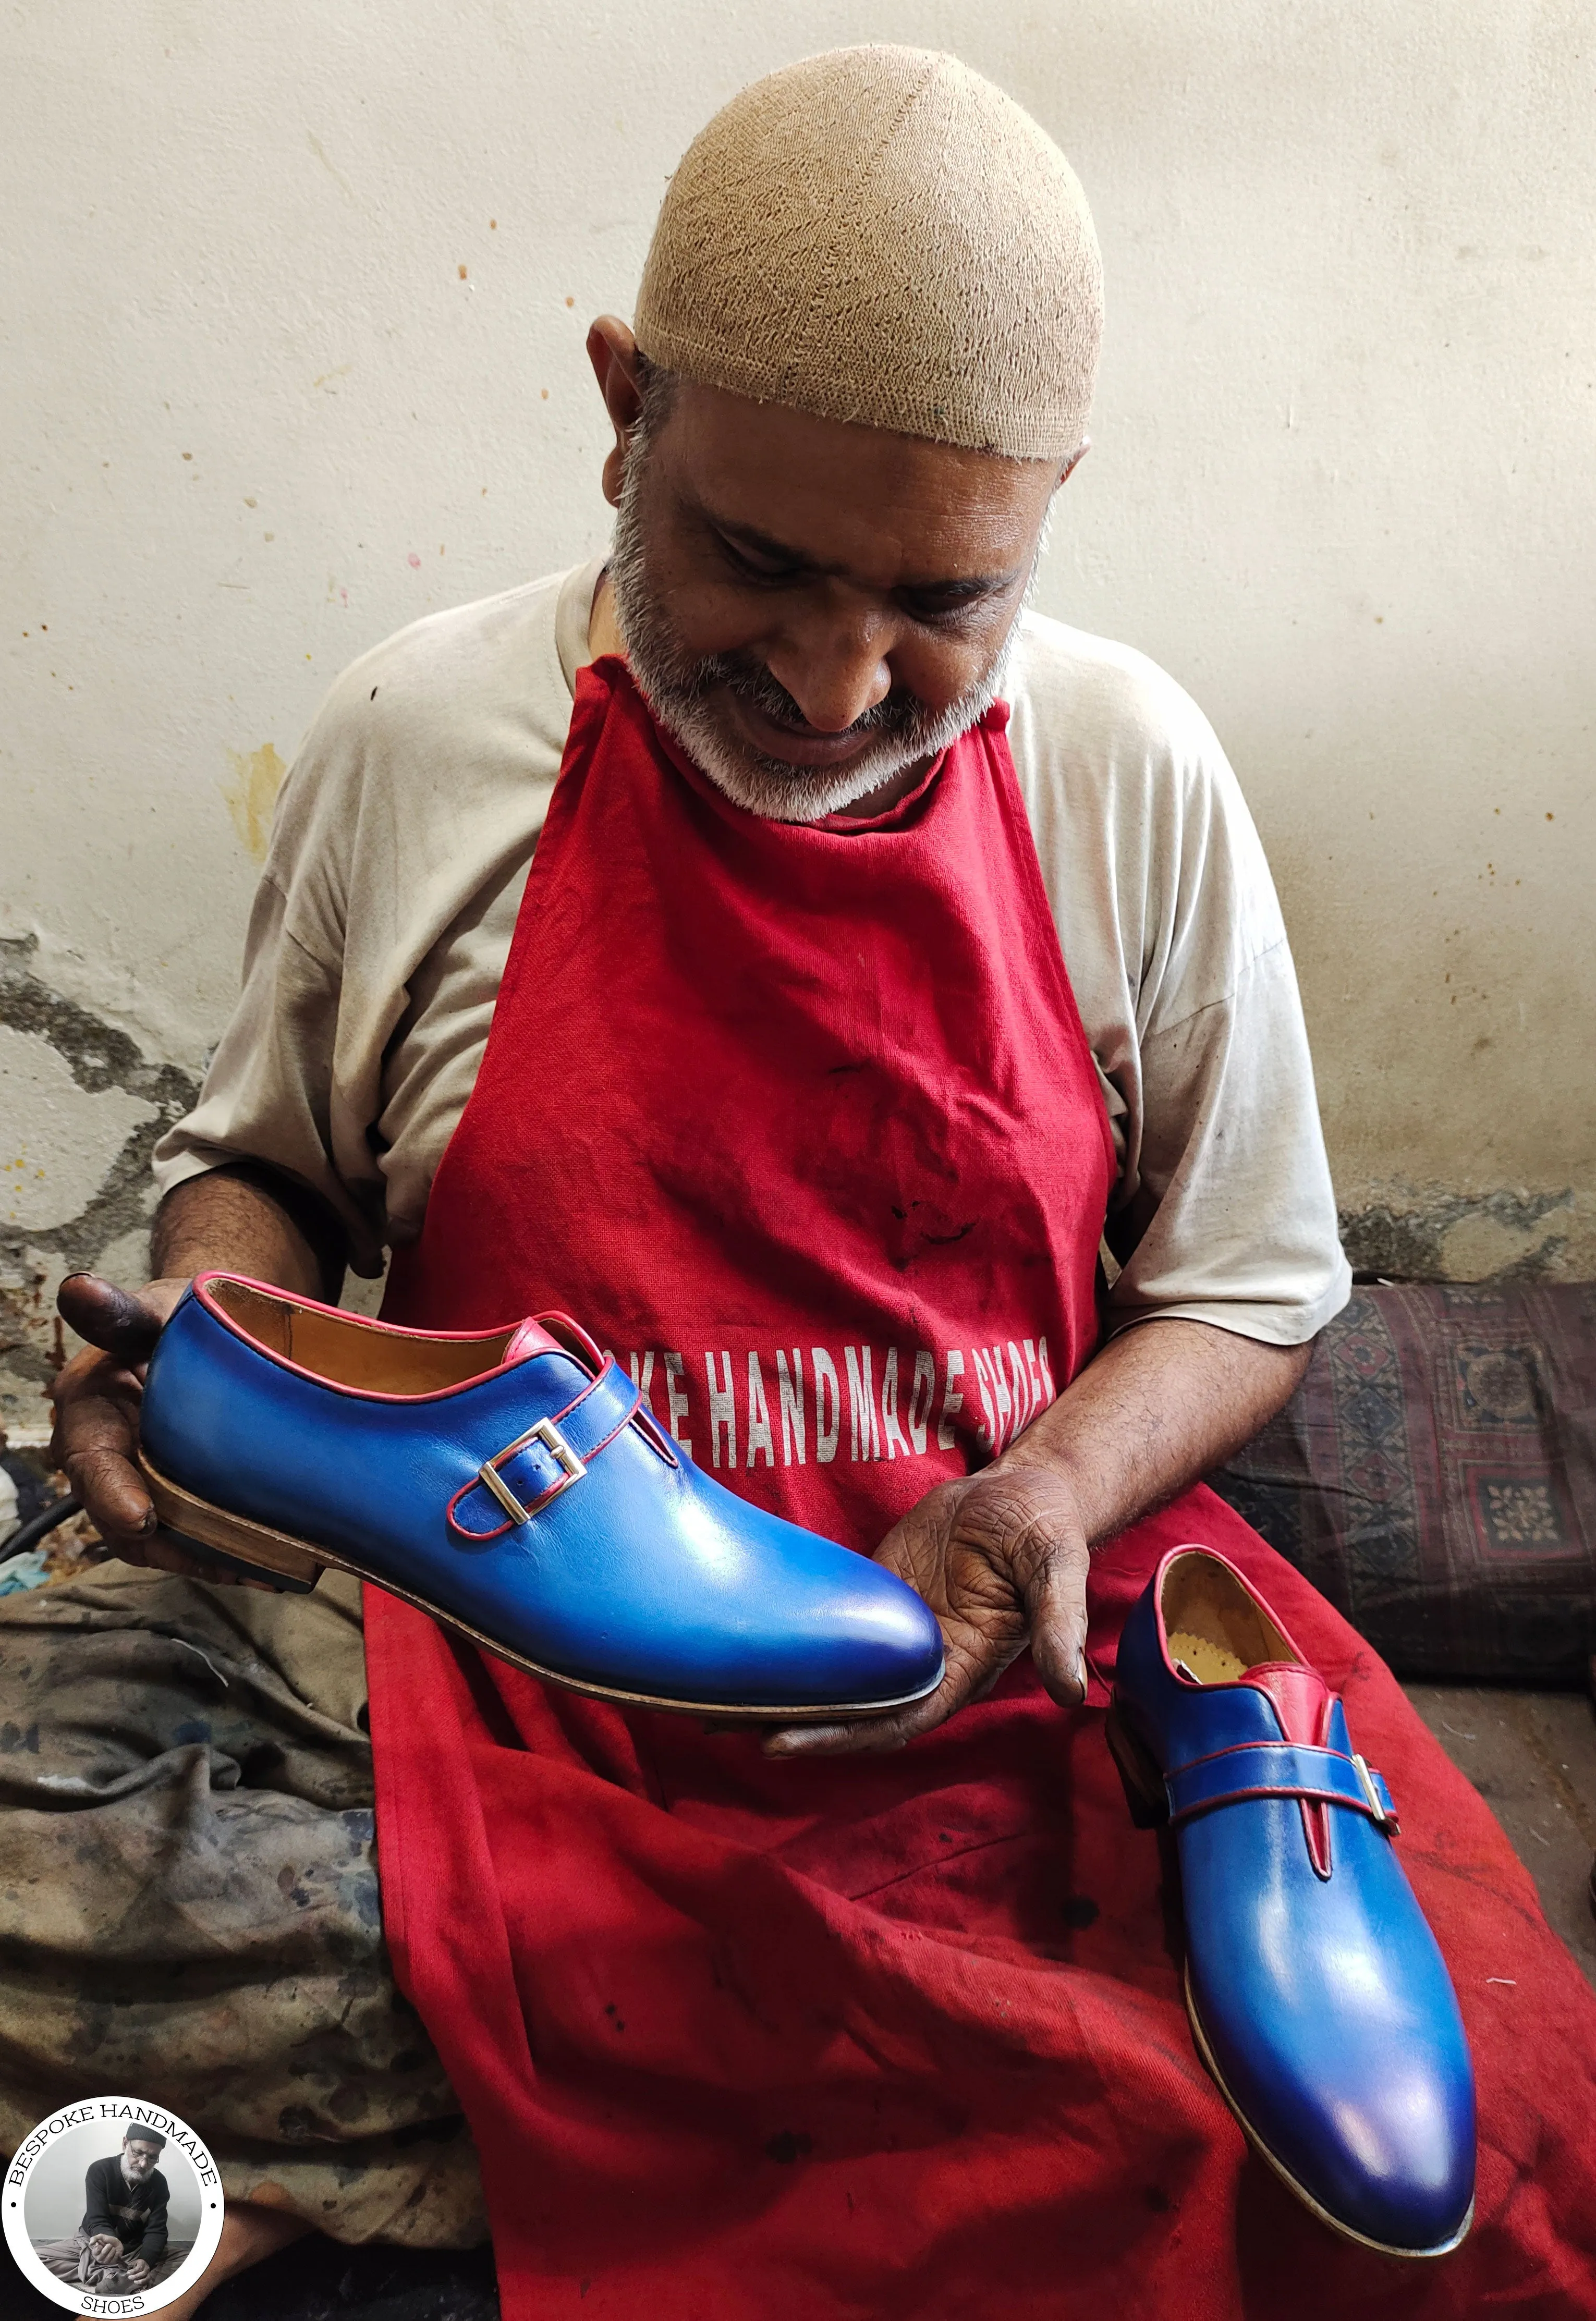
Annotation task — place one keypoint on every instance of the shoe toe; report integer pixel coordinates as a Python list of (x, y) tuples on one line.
[(1406, 2177), (722, 1603), (882, 1639), (839, 1630), (1347, 2057), (1384, 2144)]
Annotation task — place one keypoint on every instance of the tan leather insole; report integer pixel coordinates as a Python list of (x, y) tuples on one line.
[(348, 1354), (1214, 1626), (1208, 1662)]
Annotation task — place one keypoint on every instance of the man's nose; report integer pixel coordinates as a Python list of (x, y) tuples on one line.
[(834, 667)]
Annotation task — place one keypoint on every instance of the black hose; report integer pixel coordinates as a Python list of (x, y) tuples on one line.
[(39, 1526)]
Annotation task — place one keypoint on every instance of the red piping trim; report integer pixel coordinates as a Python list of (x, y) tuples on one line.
[(202, 1290), (1305, 1797), (647, 1425), (1226, 1684), (1232, 1748)]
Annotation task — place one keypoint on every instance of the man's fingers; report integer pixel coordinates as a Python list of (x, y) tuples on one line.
[(111, 1490), (966, 1678), (120, 1325), (1055, 1601), (863, 1733)]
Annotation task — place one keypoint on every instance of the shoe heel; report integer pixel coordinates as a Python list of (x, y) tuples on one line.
[(1145, 1793), (246, 1550)]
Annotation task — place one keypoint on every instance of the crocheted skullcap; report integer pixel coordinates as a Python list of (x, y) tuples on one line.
[(878, 234)]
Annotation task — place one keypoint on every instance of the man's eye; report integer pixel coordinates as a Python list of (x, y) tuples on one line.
[(753, 564), (938, 606)]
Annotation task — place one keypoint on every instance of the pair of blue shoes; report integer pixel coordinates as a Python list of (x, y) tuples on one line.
[(515, 1485)]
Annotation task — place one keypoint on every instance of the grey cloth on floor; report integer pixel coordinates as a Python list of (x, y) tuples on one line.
[(70, 2260), (189, 1911)]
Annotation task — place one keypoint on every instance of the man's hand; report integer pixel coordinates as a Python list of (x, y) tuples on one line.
[(1001, 1559), (105, 2248), (97, 1399), (242, 1219), (137, 2271)]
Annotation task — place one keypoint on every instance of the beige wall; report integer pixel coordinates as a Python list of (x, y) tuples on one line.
[(294, 306)]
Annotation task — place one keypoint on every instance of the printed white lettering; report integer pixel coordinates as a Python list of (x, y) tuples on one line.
[(1005, 1400), (759, 1415), (897, 1443), (865, 1440), (1038, 1399), (828, 1406), (1048, 1386), (676, 1405), (722, 1409), (919, 1404), (983, 1379), (644, 1380), (950, 1400), (789, 1388), (1023, 1413)]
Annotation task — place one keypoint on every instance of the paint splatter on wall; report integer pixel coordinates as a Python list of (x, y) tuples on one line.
[(252, 795)]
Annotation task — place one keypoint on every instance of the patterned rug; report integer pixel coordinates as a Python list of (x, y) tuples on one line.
[(1434, 1476)]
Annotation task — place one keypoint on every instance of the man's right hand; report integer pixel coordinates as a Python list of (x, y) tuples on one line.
[(105, 2248), (97, 1399), (244, 1218)]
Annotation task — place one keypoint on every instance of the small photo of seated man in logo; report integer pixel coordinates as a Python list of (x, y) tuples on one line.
[(136, 2226)]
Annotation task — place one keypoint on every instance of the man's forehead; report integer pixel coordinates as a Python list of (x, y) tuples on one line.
[(891, 510)]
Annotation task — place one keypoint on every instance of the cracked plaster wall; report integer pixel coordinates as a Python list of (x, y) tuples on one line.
[(81, 1108), (297, 301)]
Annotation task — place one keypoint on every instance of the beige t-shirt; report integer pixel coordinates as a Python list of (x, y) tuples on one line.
[(400, 851)]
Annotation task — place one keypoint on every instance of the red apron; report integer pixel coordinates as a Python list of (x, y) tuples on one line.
[(803, 1123)]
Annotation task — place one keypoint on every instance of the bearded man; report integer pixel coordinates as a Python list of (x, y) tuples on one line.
[(883, 947), (122, 2247)]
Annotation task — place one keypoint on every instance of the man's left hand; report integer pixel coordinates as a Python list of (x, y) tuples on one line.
[(1001, 1559), (137, 2271)]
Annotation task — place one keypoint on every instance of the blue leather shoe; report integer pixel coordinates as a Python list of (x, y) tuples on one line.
[(1318, 1996), (515, 1485)]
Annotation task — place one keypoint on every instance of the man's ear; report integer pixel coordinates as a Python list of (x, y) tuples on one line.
[(1073, 462), (613, 352)]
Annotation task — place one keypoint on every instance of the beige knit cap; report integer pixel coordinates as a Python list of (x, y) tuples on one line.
[(878, 234)]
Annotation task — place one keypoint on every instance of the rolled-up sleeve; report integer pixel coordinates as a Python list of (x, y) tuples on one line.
[(268, 1093), (1174, 942), (1233, 1220)]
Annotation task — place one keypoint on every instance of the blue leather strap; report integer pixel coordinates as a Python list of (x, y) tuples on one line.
[(536, 1466), (1278, 1769)]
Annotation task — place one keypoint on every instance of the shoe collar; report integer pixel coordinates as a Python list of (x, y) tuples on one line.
[(1256, 1654), (379, 1361)]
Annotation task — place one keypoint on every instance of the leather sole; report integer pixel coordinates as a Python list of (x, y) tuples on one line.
[(1148, 1801), (252, 1551)]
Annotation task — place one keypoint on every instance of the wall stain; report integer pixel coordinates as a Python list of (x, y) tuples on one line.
[(99, 1057), (1407, 1243), (337, 176), (252, 795)]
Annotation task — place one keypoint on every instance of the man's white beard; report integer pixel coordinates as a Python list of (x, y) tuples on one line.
[(678, 687)]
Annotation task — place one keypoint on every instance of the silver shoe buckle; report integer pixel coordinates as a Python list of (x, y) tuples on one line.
[(1381, 1817), (546, 1433)]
